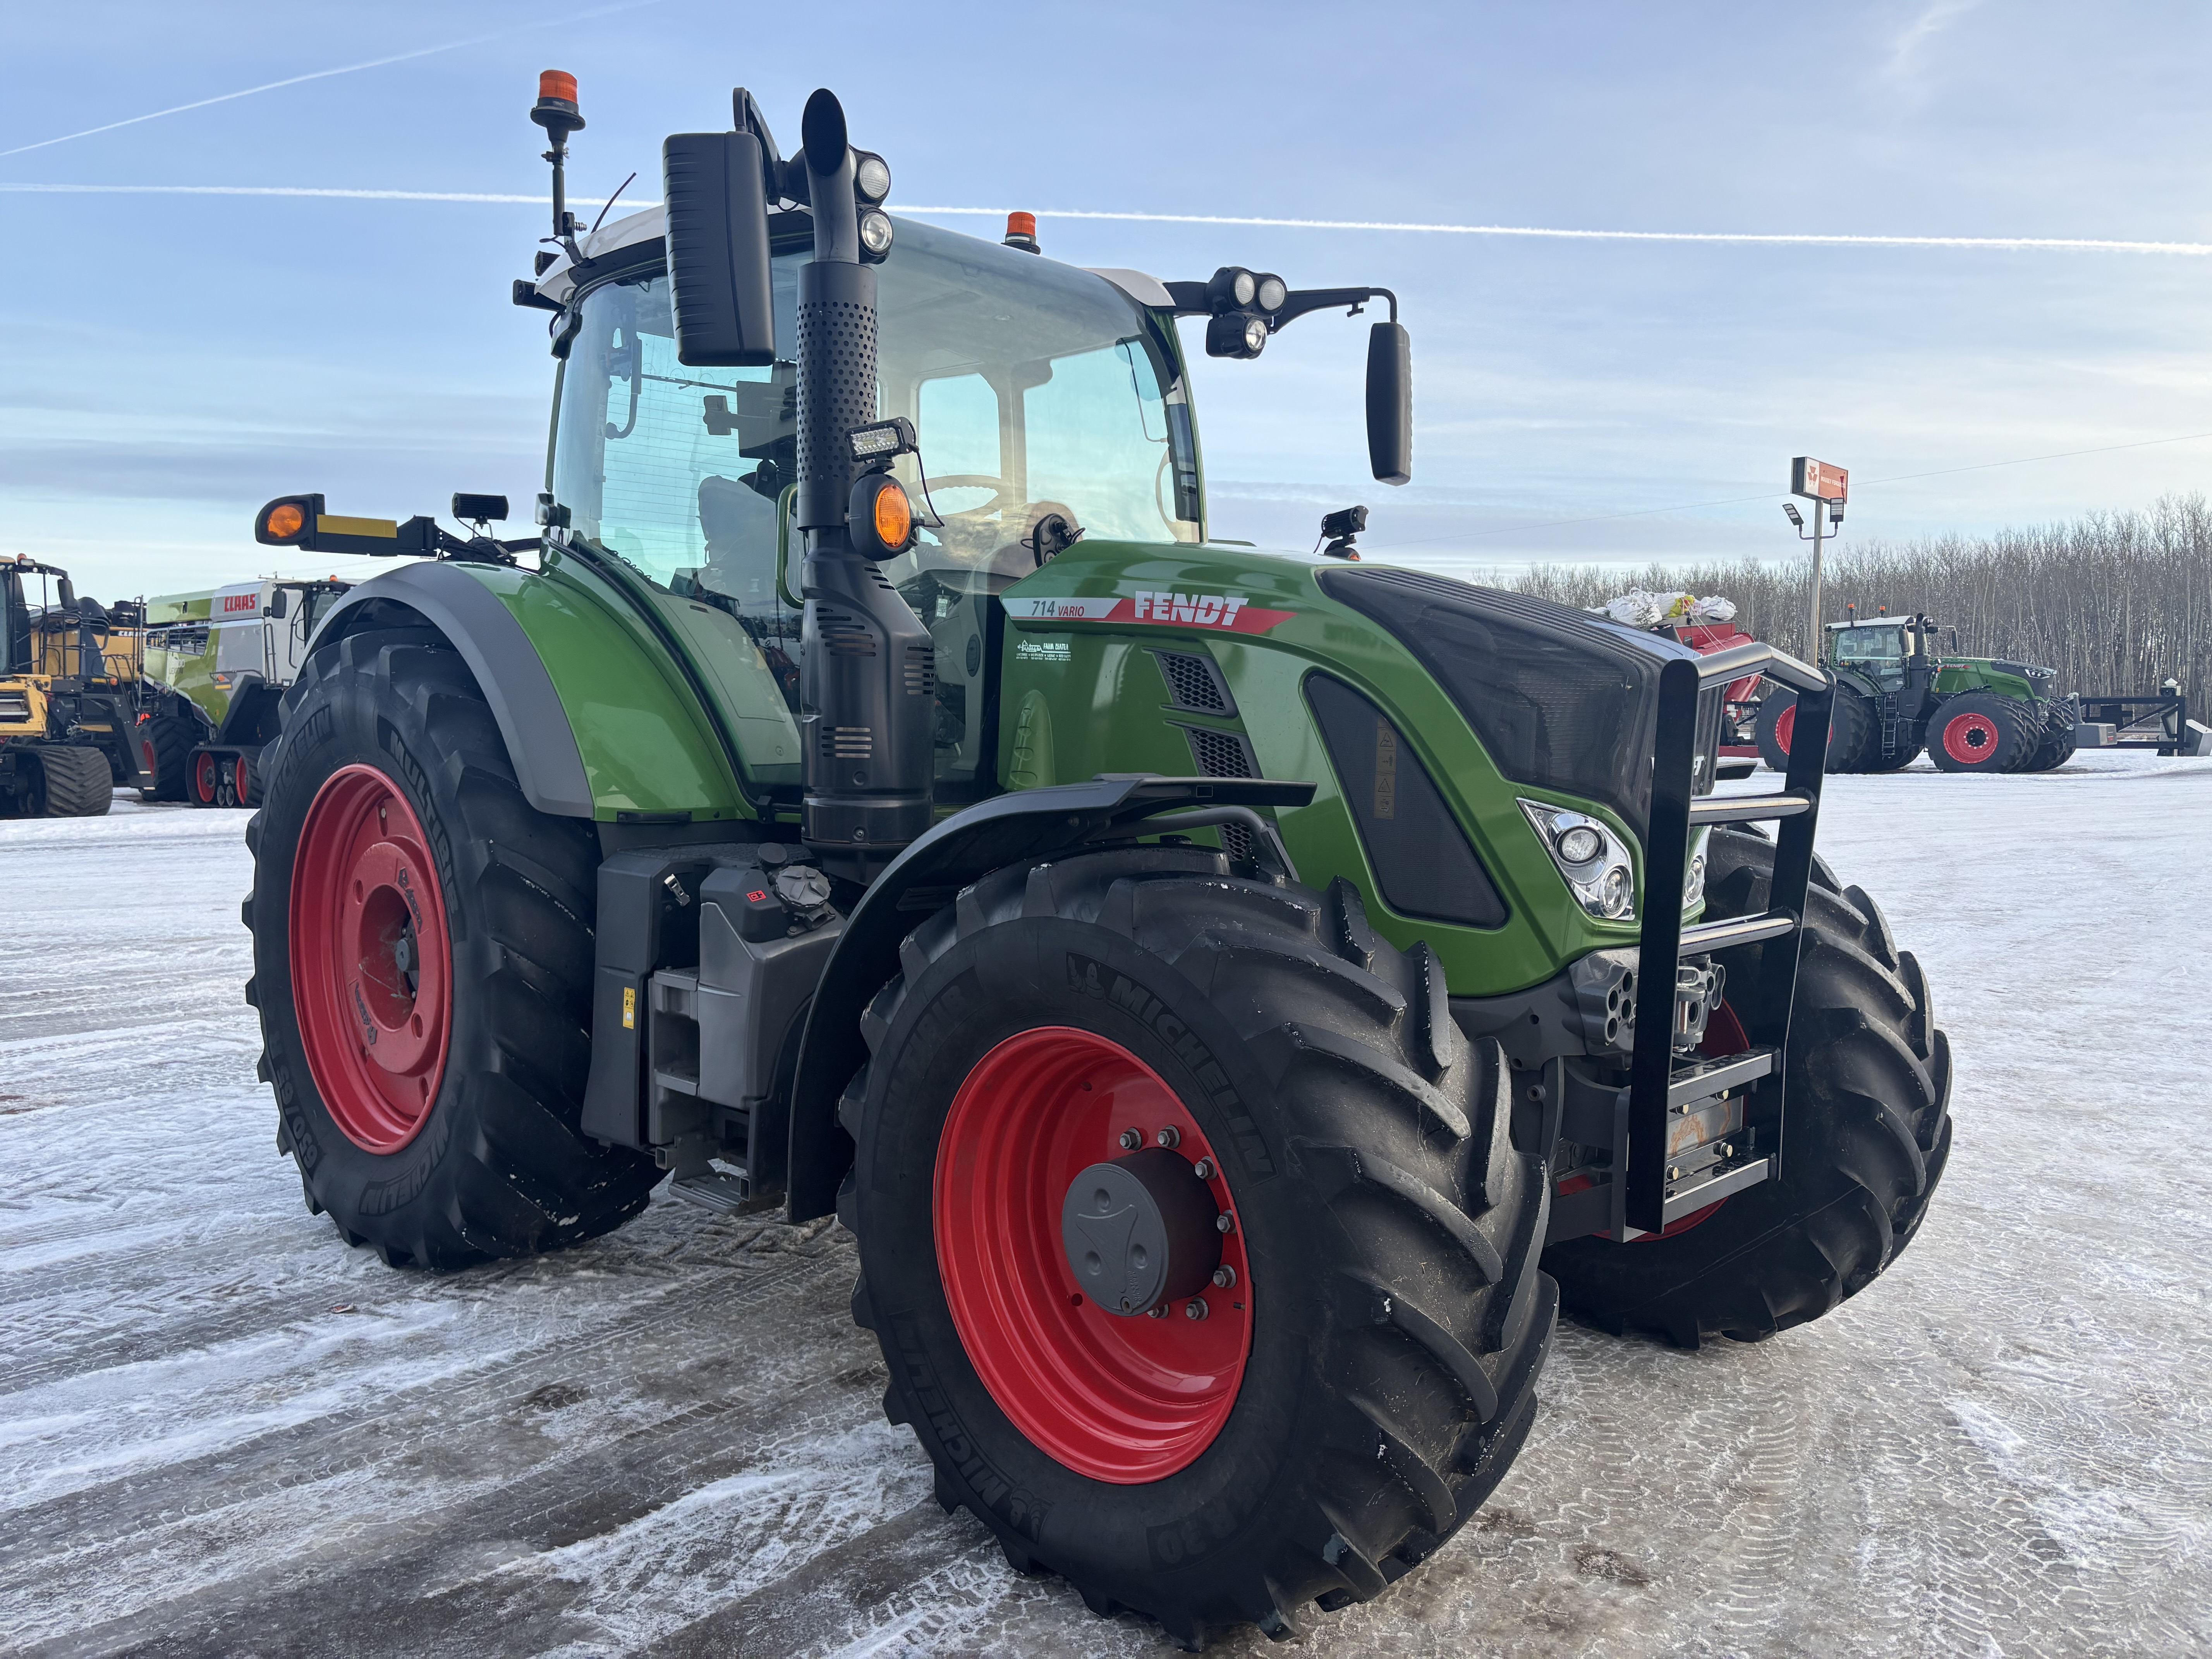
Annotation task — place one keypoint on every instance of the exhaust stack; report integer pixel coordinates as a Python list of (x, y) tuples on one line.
[(868, 681)]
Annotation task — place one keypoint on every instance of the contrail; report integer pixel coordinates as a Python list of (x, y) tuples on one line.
[(324, 75), (2059, 244)]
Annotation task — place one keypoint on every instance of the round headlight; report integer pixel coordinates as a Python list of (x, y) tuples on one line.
[(1256, 334), (1272, 292), (876, 232), (1616, 892), (874, 177), (1693, 881), (1581, 844), (1243, 287)]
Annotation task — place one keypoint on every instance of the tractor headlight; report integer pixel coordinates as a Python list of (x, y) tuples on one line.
[(1595, 862), (1693, 878), (876, 232), (873, 176), (1270, 293)]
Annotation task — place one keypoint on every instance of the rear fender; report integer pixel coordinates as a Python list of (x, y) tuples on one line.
[(597, 721), (1021, 826)]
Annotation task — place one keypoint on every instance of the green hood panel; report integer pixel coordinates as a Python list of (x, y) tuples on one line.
[(1085, 693)]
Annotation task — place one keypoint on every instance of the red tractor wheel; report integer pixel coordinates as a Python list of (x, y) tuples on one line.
[(1852, 734), (1866, 1135), (1980, 731), (1068, 1166), (423, 964), (206, 781), (372, 960), (1195, 1235)]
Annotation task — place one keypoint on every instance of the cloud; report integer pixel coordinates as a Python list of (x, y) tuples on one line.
[(2001, 244), (1908, 51)]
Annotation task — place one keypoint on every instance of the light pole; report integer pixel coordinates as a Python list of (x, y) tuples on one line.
[(1827, 488)]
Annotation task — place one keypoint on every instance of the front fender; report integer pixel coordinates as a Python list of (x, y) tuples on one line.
[(1022, 827)]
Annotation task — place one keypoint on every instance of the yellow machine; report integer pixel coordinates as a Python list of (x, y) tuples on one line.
[(71, 673)]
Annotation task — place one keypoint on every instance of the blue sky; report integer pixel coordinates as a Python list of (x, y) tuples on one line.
[(169, 362)]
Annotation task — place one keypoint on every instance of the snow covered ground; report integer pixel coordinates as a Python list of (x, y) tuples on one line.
[(223, 1433)]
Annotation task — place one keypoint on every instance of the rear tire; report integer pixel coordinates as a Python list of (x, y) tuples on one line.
[(165, 747), (1981, 731), (78, 783), (488, 1161), (1852, 731), (1390, 1233), (1867, 1134)]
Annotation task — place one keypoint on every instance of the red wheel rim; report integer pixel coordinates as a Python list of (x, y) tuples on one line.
[(1784, 724), (1123, 1400), (239, 778), (146, 753), (362, 884), (1970, 739), (203, 778)]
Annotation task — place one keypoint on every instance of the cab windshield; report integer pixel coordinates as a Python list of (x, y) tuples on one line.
[(1035, 388), (1879, 653)]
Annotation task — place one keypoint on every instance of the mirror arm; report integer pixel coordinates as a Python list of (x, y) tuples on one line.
[(1190, 300)]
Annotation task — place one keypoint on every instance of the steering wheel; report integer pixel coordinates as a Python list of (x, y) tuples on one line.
[(1000, 491)]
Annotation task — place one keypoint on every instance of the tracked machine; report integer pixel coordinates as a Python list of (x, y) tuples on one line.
[(1233, 998)]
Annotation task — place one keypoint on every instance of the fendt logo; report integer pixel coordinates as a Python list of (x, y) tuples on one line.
[(1206, 610), (1230, 611)]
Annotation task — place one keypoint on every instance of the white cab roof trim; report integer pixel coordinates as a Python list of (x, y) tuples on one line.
[(1145, 290)]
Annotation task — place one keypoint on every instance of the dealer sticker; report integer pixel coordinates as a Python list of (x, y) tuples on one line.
[(1043, 651)]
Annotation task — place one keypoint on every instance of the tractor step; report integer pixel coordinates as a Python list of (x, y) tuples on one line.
[(724, 1194)]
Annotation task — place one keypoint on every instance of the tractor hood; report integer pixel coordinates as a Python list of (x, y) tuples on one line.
[(1560, 699)]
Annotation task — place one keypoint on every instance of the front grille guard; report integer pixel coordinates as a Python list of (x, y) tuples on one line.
[(1659, 1088)]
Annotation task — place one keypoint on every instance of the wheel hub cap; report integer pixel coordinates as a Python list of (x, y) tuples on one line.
[(1139, 1230)]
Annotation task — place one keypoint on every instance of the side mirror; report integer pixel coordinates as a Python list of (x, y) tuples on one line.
[(279, 604), (718, 259), (1390, 403)]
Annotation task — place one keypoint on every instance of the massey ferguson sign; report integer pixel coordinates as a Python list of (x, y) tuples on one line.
[(1818, 480)]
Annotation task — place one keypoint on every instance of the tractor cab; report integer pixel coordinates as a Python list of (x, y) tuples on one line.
[(1886, 651)]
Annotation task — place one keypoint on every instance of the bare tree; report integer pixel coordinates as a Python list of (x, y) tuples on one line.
[(2116, 601)]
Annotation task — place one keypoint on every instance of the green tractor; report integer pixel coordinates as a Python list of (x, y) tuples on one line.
[(1896, 695), (1211, 984)]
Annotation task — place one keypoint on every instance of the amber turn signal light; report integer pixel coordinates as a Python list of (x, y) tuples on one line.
[(288, 521), (881, 518)]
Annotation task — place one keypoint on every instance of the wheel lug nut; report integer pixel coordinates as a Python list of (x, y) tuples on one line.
[(1224, 1223), (1195, 1308), (1203, 1169), (1159, 1312), (1224, 1277), (1170, 1136), (1131, 1140)]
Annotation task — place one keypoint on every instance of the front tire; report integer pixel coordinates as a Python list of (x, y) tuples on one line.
[(423, 966), (1366, 1376), (1980, 731), (165, 747), (1866, 1133), (77, 783)]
